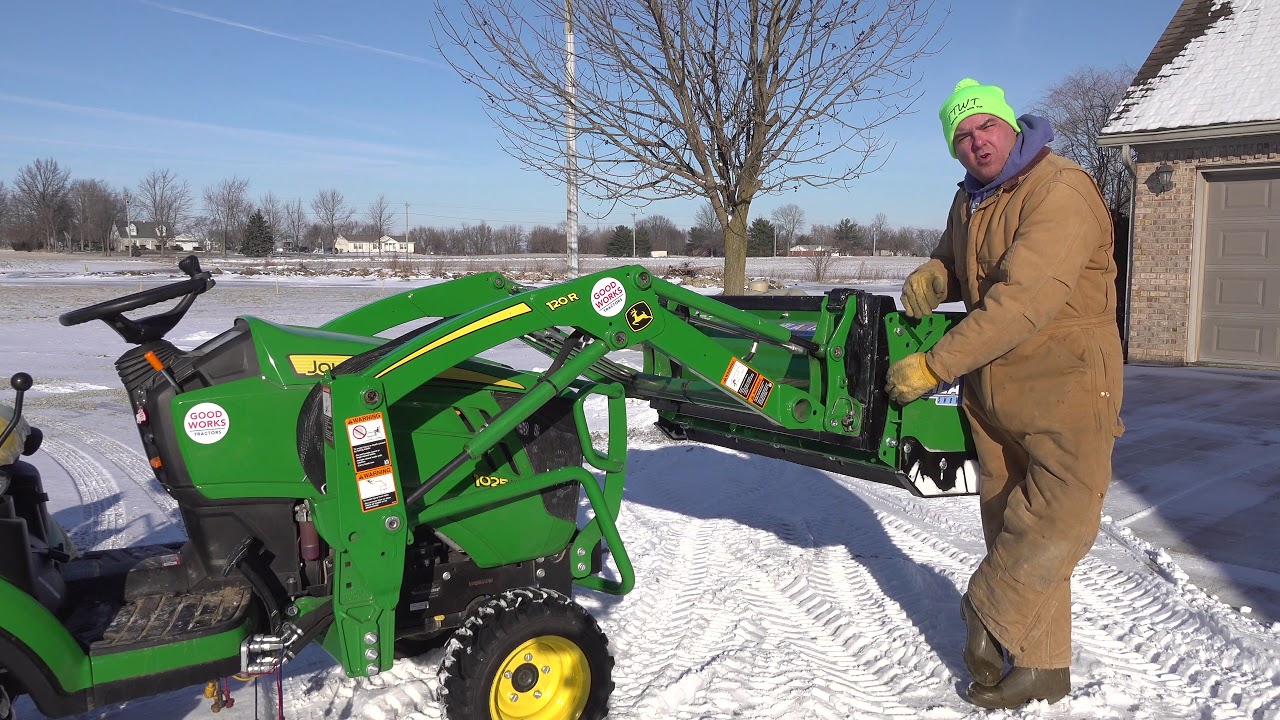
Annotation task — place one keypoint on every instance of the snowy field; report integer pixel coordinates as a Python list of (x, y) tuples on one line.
[(764, 589)]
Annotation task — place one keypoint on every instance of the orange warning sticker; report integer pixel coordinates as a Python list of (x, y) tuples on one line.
[(747, 383), (371, 457)]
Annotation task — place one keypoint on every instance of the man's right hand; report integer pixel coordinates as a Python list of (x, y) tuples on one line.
[(924, 290)]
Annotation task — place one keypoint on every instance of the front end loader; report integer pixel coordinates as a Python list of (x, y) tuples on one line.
[(380, 497)]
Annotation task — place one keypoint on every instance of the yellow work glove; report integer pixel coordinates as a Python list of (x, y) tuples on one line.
[(924, 290), (909, 378), (12, 448)]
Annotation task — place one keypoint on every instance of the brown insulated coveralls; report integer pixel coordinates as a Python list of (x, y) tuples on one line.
[(1040, 352)]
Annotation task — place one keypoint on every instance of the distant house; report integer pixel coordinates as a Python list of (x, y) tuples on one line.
[(187, 243), (145, 235), (373, 245), (811, 251), (1202, 119)]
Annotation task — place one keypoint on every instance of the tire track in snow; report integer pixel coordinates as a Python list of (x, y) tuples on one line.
[(672, 604), (1134, 626), (102, 518), (1144, 631), (320, 690), (839, 671), (131, 462)]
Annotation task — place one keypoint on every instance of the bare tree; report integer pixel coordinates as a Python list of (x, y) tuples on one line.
[(593, 242), (381, 218), (824, 236), (477, 239), (202, 228), (706, 237), (295, 223), (227, 204), (313, 235), (789, 218), (1079, 107), (333, 214), (273, 213), (703, 98), (924, 241), (97, 209), (877, 231), (166, 201), (6, 211), (820, 263), (509, 239), (546, 239), (41, 192), (663, 234)]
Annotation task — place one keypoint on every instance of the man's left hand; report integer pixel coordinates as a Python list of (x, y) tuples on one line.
[(909, 378)]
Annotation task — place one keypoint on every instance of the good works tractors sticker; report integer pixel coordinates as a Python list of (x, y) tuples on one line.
[(608, 296), (372, 457), (206, 423)]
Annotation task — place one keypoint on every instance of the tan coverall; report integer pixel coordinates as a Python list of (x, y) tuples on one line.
[(1043, 373)]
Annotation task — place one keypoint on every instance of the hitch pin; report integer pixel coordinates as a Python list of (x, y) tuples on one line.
[(159, 367)]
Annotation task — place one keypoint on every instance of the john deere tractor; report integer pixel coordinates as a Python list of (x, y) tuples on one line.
[(381, 496)]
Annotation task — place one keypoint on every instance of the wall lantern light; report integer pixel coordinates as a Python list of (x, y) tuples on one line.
[(1163, 182)]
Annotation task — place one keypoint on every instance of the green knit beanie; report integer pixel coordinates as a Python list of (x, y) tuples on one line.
[(971, 98)]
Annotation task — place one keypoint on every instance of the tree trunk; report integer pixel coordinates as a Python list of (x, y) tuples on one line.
[(735, 252)]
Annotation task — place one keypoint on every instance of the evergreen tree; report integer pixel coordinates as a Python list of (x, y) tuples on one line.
[(620, 244), (851, 238), (760, 238), (258, 241)]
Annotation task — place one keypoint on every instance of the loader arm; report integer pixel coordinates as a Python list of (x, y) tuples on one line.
[(801, 381)]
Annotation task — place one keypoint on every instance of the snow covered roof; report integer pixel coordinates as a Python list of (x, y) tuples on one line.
[(1215, 65)]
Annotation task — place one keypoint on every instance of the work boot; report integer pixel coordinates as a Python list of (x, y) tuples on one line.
[(1021, 686), (982, 652)]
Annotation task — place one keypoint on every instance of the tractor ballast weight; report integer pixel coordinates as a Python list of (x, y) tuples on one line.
[(376, 496)]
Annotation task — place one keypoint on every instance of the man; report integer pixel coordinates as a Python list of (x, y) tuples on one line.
[(1028, 248)]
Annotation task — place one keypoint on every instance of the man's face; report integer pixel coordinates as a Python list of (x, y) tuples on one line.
[(983, 143)]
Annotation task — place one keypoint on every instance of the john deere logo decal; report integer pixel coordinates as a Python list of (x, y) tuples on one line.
[(639, 316)]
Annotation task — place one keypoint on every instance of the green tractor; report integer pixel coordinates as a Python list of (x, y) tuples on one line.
[(380, 497)]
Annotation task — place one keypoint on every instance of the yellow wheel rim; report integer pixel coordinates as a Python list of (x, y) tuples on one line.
[(546, 678)]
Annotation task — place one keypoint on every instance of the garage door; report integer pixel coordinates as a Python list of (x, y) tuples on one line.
[(1240, 302)]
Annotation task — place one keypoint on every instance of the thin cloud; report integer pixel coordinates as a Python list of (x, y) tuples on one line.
[(224, 21), (75, 143), (301, 142), (309, 39), (336, 42)]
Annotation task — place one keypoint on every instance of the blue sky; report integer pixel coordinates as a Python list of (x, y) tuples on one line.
[(299, 97)]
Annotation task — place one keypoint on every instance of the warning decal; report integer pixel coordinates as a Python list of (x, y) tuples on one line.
[(760, 393), (749, 384), (371, 455)]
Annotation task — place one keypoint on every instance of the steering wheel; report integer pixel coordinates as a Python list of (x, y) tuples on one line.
[(153, 327)]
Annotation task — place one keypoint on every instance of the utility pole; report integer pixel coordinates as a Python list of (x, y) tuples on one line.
[(571, 145), (406, 231), (633, 234), (127, 198), (775, 240)]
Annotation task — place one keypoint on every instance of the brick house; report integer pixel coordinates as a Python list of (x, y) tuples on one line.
[(1202, 119)]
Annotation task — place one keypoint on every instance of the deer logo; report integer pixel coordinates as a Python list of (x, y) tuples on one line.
[(639, 316)]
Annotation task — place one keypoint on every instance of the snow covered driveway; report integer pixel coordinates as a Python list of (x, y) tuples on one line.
[(764, 589)]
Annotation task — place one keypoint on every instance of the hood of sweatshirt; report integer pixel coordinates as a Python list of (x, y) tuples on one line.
[(1036, 133)]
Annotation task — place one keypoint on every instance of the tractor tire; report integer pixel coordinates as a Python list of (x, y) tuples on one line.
[(531, 654), (6, 705)]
